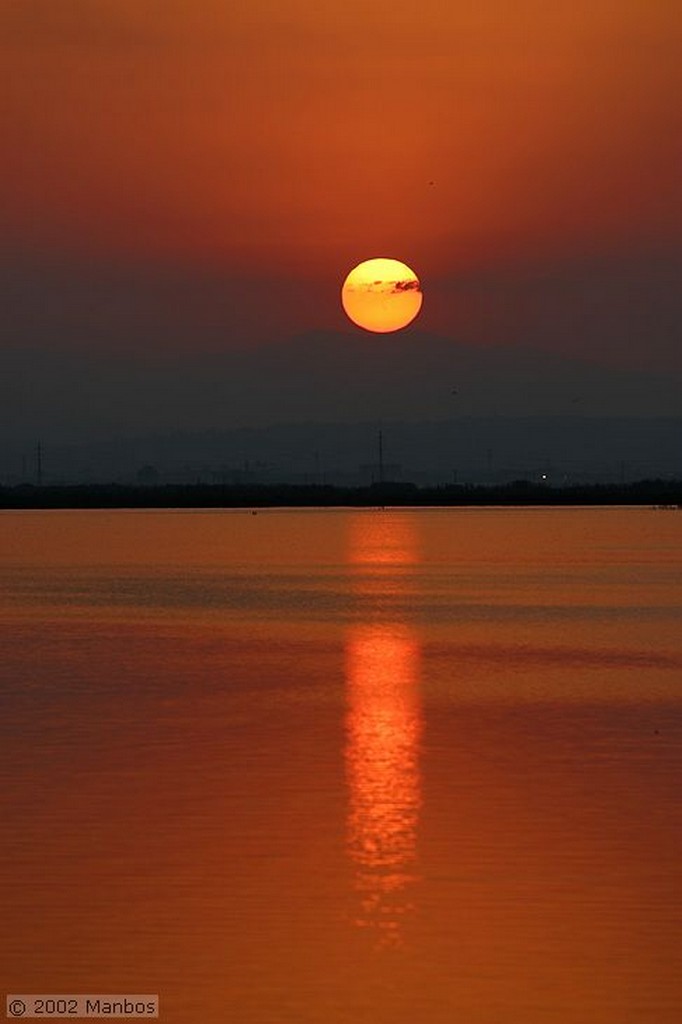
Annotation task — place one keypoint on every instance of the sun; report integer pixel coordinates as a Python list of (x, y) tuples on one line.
[(381, 295)]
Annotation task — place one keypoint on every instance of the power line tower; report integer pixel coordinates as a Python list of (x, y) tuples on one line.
[(39, 464)]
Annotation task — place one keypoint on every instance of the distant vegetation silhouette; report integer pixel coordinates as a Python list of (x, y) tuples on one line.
[(660, 493)]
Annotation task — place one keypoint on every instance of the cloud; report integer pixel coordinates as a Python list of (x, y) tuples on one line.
[(405, 286)]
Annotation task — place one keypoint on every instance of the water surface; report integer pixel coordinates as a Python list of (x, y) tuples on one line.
[(369, 766)]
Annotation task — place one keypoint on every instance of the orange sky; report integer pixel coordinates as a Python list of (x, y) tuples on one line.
[(191, 180), (254, 132)]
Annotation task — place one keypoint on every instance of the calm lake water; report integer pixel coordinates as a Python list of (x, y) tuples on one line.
[(411, 767)]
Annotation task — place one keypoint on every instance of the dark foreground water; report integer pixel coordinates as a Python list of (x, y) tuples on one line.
[(412, 767)]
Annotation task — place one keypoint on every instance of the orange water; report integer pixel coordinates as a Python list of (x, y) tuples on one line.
[(345, 766)]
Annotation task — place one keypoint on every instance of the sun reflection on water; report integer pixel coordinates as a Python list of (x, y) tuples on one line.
[(384, 726)]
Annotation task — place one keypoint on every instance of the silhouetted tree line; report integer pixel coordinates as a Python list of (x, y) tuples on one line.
[(665, 493)]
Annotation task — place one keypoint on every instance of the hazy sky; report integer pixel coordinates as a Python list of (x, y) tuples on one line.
[(191, 177)]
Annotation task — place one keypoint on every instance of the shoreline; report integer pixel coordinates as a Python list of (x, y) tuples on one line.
[(659, 494)]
